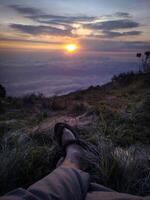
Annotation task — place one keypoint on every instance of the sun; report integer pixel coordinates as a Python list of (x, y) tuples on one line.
[(71, 48)]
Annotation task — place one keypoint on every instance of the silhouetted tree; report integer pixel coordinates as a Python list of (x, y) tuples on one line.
[(139, 55), (147, 55), (145, 59), (2, 91)]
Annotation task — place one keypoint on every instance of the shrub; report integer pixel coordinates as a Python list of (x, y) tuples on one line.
[(124, 79), (79, 108)]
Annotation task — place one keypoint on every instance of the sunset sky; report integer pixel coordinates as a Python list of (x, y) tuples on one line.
[(103, 29)]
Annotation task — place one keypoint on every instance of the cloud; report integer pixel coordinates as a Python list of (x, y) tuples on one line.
[(8, 39), (99, 45), (26, 10), (112, 28), (118, 34), (123, 15), (113, 25), (40, 16), (37, 30), (62, 19), (63, 25), (49, 23), (59, 73)]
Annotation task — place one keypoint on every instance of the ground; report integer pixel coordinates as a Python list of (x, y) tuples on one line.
[(114, 117)]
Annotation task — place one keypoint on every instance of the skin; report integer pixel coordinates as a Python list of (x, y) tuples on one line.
[(73, 152)]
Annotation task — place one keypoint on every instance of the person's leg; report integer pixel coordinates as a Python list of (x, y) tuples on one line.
[(63, 183), (98, 188), (104, 195), (67, 182)]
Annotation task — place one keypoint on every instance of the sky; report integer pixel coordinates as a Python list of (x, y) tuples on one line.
[(33, 35)]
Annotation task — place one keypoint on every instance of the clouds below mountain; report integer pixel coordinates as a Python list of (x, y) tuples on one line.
[(27, 72)]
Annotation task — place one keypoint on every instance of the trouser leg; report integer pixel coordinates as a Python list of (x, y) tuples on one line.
[(94, 187), (62, 184), (104, 195)]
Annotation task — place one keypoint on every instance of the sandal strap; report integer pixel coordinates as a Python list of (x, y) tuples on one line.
[(85, 145), (58, 130), (88, 147)]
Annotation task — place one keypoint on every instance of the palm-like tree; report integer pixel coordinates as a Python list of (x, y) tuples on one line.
[(139, 55), (145, 59)]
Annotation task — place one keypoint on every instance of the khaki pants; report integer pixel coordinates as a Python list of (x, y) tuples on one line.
[(67, 184)]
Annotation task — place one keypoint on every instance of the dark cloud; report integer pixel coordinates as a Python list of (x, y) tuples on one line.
[(27, 40), (113, 25), (40, 16), (123, 14), (50, 24), (109, 28), (37, 30), (118, 34), (26, 10), (65, 19)]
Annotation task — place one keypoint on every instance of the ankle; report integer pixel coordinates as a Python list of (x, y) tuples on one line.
[(74, 148), (74, 154), (69, 164)]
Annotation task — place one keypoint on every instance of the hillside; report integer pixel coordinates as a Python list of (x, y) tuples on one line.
[(114, 117)]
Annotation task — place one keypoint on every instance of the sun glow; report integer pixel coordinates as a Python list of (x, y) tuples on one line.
[(71, 48)]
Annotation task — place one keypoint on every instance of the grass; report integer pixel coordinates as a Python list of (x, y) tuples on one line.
[(120, 170), (121, 135), (127, 124), (79, 108), (24, 162)]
